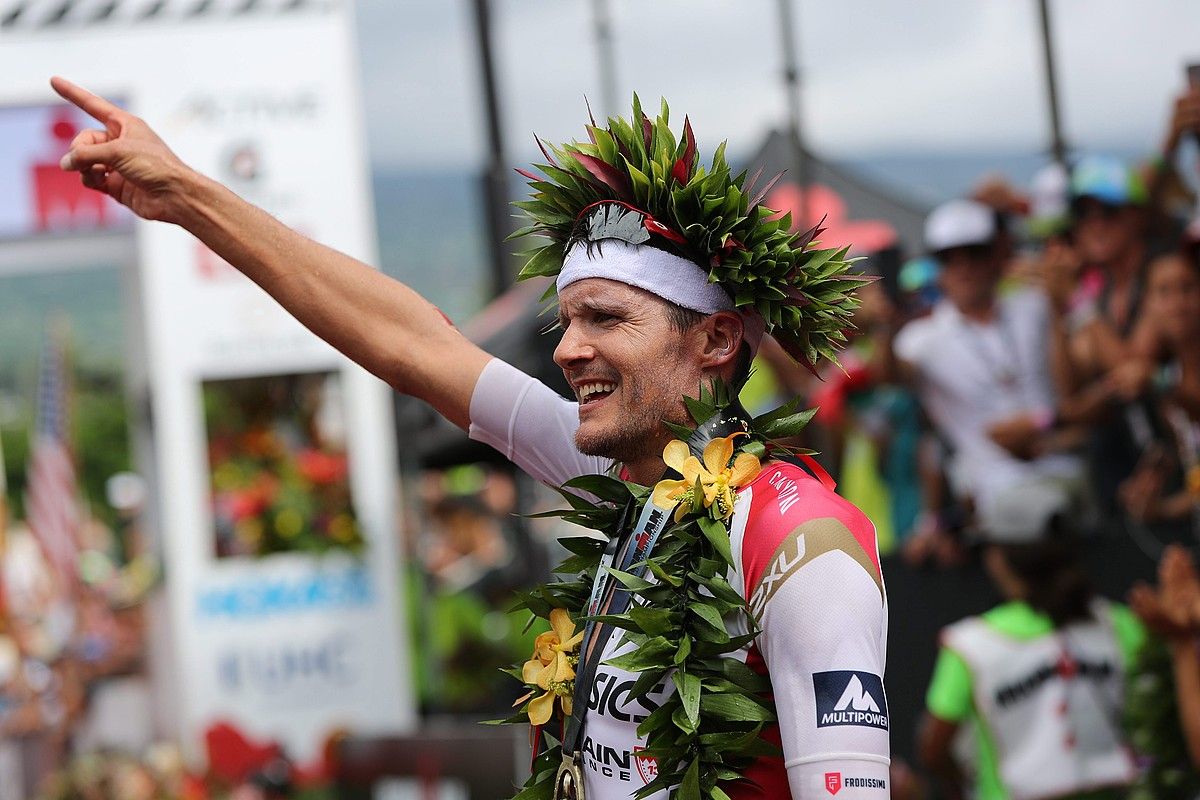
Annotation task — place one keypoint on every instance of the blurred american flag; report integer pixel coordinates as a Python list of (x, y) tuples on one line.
[(52, 497)]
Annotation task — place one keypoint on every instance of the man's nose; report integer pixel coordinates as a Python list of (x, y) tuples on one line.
[(573, 349)]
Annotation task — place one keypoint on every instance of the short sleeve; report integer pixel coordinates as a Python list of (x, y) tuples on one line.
[(812, 577), (826, 669), (949, 694), (530, 424)]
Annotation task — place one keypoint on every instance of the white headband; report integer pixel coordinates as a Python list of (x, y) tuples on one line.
[(666, 275)]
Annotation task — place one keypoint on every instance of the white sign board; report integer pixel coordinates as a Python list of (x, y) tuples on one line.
[(264, 98)]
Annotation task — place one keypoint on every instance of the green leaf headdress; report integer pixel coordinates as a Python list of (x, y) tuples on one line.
[(634, 181)]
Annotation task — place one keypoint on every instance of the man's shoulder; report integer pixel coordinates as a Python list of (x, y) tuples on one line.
[(1011, 620), (788, 492), (919, 326), (794, 518), (1026, 304), (915, 337)]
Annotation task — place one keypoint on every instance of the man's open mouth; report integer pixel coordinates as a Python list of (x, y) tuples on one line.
[(591, 392)]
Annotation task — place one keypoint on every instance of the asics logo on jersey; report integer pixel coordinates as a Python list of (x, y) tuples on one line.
[(610, 697), (849, 697)]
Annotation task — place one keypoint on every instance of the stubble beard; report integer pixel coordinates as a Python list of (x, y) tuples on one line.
[(637, 434)]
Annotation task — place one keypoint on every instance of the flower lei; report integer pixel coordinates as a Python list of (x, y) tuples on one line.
[(708, 731)]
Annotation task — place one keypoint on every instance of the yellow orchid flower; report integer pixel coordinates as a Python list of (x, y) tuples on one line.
[(717, 477), (552, 667)]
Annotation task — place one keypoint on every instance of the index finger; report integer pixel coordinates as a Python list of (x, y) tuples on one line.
[(94, 105)]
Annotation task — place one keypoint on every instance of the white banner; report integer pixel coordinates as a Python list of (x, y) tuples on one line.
[(289, 646)]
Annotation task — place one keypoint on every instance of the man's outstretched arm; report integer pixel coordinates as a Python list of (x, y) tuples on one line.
[(375, 320)]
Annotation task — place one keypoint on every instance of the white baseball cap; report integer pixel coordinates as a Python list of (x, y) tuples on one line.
[(959, 223)]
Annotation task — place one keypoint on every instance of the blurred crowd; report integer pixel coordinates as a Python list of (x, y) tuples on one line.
[(72, 648), (78, 715), (1045, 337), (1032, 381)]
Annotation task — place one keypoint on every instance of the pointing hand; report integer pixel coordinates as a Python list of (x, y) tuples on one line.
[(126, 160)]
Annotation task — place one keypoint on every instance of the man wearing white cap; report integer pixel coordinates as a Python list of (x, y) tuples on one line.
[(744, 613), (981, 366)]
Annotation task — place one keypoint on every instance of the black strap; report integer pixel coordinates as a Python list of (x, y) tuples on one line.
[(596, 635)]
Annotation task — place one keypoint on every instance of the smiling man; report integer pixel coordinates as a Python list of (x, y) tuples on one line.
[(667, 275)]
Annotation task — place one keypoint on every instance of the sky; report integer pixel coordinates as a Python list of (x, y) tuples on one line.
[(879, 76)]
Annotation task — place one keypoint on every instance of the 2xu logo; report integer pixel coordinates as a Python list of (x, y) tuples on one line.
[(849, 697)]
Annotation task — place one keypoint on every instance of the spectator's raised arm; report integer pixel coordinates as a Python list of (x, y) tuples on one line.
[(1172, 610), (1164, 180)]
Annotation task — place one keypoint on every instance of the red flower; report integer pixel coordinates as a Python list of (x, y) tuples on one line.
[(321, 468), (243, 504)]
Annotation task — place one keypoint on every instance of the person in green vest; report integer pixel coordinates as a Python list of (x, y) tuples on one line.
[(1026, 699)]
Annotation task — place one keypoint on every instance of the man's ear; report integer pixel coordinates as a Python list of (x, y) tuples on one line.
[(723, 333)]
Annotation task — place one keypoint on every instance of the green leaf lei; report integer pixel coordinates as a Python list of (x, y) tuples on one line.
[(708, 731), (1152, 722)]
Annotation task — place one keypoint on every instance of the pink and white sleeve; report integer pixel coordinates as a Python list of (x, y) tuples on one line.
[(812, 578)]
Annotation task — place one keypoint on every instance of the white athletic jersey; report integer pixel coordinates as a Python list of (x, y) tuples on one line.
[(1052, 704), (807, 564)]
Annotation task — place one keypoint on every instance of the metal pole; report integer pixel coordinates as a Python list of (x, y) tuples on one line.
[(791, 76), (3, 503), (1058, 148), (495, 176), (606, 57)]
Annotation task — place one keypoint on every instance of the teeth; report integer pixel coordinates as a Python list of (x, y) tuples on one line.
[(589, 389)]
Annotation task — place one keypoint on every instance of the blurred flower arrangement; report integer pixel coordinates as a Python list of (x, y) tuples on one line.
[(97, 776), (239, 768), (162, 775), (278, 467)]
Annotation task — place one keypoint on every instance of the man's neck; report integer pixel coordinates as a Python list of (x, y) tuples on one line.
[(646, 471)]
